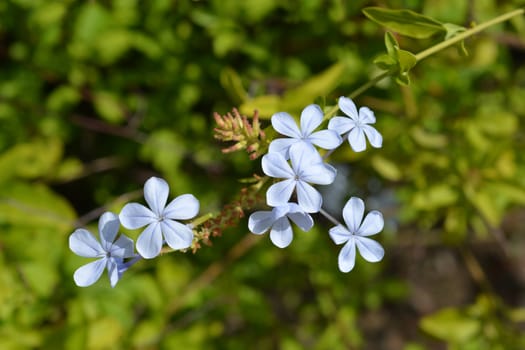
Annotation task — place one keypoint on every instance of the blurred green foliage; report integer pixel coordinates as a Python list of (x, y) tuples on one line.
[(96, 96)]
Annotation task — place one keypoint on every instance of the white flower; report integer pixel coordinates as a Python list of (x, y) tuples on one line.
[(160, 219), (111, 252), (355, 234), (357, 125), (311, 118), (281, 233), (307, 167)]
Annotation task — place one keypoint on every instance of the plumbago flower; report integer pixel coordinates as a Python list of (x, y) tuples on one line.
[(277, 219), (111, 252), (160, 219), (357, 125), (311, 118), (307, 167), (355, 234)]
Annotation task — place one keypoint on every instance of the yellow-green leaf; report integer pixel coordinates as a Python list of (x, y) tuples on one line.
[(405, 22), (450, 325), (388, 169)]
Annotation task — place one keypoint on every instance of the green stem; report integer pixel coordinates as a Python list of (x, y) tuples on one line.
[(462, 36), (202, 219), (430, 51)]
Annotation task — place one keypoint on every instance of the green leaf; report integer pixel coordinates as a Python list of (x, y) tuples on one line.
[(31, 160), (232, 83), (403, 79), (35, 205), (385, 62), (41, 277), (485, 204), (388, 169), (391, 44), (108, 106), (397, 61), (165, 150), (267, 105), (498, 123), (93, 19), (63, 97), (405, 22), (450, 325), (440, 195), (406, 60), (318, 85), (455, 224), (113, 45), (428, 139), (296, 99), (452, 30)]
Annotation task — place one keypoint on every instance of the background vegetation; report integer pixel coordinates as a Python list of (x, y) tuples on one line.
[(97, 96)]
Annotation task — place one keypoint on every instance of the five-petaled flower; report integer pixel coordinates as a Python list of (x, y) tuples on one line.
[(281, 233), (311, 118), (111, 252), (355, 234), (357, 125), (160, 219), (307, 167)]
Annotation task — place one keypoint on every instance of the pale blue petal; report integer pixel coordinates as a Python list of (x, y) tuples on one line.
[(357, 141), (348, 107), (275, 165), (339, 234), (319, 174), (281, 210), (149, 243), (260, 222), (122, 247), (366, 115), (113, 272), (369, 249), (341, 125), (346, 258), (303, 154), (375, 138), (353, 212), (183, 207), (108, 226), (326, 139), (135, 215), (280, 192), (308, 198), (311, 118), (90, 273), (82, 243), (156, 191), (281, 234), (302, 219), (284, 124), (372, 224), (124, 266), (281, 146), (177, 235)]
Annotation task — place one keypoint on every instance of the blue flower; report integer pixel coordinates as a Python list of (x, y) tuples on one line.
[(311, 118), (307, 167), (160, 219), (356, 125), (111, 252), (355, 234), (281, 233)]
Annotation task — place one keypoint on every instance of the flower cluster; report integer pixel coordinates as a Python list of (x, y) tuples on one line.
[(116, 254), (296, 161), (293, 161)]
